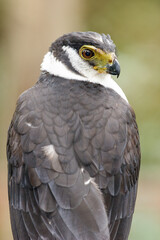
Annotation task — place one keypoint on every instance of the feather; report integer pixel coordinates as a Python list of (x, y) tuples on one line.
[(73, 155)]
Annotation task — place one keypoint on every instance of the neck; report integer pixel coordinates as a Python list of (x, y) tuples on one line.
[(53, 66)]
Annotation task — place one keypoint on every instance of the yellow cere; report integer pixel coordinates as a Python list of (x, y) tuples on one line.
[(99, 57)]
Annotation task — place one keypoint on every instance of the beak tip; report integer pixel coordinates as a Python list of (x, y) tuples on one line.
[(114, 69)]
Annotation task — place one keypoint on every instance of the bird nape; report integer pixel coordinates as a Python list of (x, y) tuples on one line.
[(73, 147)]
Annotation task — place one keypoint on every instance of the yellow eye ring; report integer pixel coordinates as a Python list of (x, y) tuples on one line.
[(86, 53)]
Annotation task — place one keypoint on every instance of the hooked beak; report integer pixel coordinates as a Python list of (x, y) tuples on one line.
[(114, 68)]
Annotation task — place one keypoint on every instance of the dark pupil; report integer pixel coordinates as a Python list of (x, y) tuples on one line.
[(87, 53)]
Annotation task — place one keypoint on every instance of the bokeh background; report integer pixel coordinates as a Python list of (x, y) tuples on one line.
[(27, 28)]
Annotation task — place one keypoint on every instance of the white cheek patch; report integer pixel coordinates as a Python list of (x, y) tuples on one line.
[(78, 63), (92, 75), (53, 66)]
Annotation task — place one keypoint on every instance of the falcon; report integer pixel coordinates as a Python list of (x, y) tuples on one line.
[(73, 147)]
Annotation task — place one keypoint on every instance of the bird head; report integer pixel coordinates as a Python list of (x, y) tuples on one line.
[(79, 55)]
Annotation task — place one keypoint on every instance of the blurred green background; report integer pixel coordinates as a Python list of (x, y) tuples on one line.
[(27, 28)]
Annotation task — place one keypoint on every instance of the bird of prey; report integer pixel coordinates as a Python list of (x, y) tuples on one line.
[(73, 147)]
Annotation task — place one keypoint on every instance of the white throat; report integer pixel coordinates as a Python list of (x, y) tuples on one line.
[(59, 69)]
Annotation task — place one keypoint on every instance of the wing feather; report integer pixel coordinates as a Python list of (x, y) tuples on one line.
[(50, 196), (73, 163)]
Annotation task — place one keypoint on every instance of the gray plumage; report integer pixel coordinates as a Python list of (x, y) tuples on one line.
[(73, 162)]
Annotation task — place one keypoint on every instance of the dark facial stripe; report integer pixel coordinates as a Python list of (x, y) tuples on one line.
[(76, 40)]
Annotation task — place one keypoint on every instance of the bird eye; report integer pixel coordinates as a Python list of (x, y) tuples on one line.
[(87, 53)]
